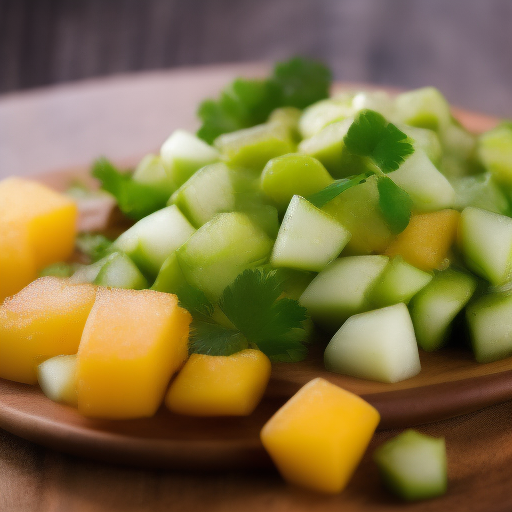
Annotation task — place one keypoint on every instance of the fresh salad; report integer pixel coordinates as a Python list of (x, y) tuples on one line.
[(378, 220)]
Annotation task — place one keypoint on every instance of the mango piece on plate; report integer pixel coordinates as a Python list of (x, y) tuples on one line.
[(134, 340), (43, 320), (17, 265), (319, 436), (425, 243), (49, 217), (220, 385)]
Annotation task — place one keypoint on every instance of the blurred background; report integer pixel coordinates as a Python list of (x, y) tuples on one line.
[(462, 47)]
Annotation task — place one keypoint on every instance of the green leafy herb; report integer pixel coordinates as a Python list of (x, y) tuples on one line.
[(371, 136), (253, 305), (302, 82), (93, 245), (215, 340), (135, 200), (195, 301), (327, 194), (394, 203), (245, 103)]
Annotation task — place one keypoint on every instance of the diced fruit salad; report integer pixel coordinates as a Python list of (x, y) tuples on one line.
[(378, 219)]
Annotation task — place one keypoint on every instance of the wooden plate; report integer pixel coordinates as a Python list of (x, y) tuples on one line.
[(450, 383)]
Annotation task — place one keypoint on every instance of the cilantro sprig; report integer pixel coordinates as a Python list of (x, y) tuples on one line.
[(385, 148), (136, 200), (259, 317), (244, 103)]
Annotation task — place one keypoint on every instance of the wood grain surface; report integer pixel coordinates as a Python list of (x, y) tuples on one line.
[(35, 478)]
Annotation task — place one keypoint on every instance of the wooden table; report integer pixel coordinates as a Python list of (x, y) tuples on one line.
[(123, 118)]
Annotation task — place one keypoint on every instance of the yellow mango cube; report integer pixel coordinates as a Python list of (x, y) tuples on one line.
[(17, 265), (49, 218), (133, 342), (319, 436), (43, 320), (426, 241), (220, 385)]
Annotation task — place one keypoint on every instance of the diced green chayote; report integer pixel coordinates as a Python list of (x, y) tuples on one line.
[(252, 148), (308, 239), (413, 465), (293, 174)]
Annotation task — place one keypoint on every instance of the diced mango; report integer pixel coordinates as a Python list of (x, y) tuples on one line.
[(319, 436), (43, 320), (426, 241), (134, 340), (49, 217), (220, 385), (17, 266)]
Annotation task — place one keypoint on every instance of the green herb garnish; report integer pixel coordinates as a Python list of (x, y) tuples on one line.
[(93, 245), (245, 103), (260, 317), (327, 194), (135, 200), (371, 136), (395, 204)]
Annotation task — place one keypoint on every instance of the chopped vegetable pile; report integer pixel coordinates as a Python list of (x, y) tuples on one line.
[(379, 220)]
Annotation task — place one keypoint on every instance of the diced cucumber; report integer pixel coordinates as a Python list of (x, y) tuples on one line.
[(208, 192), (399, 282), (183, 154), (341, 289), (289, 118), (434, 308), (490, 326), (358, 210), (252, 148), (457, 141), (150, 241), (380, 101), (294, 174), (57, 378), (264, 216), (151, 171), (377, 345), (480, 191), (220, 250), (427, 187), (495, 152), (413, 465), (327, 146), (324, 112), (424, 139), (170, 278), (486, 243), (88, 273), (119, 271), (309, 238), (294, 282), (425, 108)]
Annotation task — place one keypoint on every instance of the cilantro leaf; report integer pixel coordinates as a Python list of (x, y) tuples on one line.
[(135, 200), (370, 135), (395, 204), (195, 301), (94, 245), (253, 305), (245, 103), (333, 190), (215, 340), (302, 82)]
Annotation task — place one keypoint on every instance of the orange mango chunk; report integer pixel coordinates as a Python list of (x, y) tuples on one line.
[(319, 436), (133, 341), (220, 385), (49, 218), (17, 265), (426, 241), (43, 320)]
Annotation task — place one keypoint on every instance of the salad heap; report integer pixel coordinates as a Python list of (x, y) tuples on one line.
[(380, 220)]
